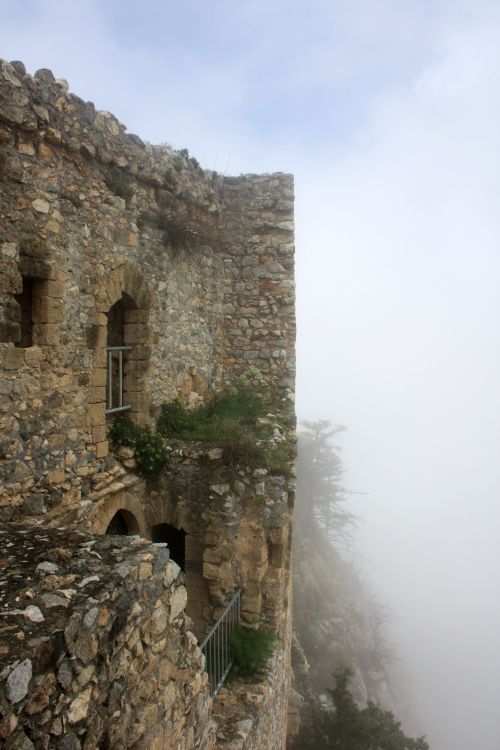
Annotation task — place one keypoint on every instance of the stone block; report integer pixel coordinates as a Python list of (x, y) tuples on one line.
[(10, 333), (99, 377), (97, 394), (99, 319), (46, 310), (56, 477), (33, 356), (130, 385), (53, 226), (12, 358), (139, 352), (138, 401), (27, 148), (178, 602), (144, 571), (53, 288), (100, 355), (99, 433), (56, 440), (113, 290), (11, 282), (134, 334), (45, 153), (102, 449), (40, 205), (96, 415), (47, 334)]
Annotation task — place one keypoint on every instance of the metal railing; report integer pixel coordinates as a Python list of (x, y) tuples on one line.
[(216, 646), (114, 395)]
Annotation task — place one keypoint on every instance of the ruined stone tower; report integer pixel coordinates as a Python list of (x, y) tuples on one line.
[(130, 277)]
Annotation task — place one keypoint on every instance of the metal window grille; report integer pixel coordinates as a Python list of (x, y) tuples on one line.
[(114, 395), (216, 646)]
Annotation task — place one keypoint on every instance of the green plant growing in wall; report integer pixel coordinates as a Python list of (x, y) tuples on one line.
[(228, 420), (251, 650), (234, 420), (118, 183), (148, 445)]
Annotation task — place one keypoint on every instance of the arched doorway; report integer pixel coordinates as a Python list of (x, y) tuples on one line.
[(176, 540), (123, 523)]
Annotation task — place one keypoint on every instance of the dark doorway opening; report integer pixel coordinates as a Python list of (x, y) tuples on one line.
[(28, 300), (176, 540), (123, 523)]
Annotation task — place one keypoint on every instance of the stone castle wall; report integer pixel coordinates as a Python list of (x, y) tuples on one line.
[(91, 216), (95, 648), (207, 261)]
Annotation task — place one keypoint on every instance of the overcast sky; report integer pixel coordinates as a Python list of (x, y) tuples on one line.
[(388, 114)]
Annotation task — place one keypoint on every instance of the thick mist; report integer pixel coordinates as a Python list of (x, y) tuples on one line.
[(400, 341)]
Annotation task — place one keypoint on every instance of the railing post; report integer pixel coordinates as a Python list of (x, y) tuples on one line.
[(216, 646)]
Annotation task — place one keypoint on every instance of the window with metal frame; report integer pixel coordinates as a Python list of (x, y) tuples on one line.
[(114, 390), (116, 356)]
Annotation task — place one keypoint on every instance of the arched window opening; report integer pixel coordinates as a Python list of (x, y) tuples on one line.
[(176, 540), (117, 352), (123, 523)]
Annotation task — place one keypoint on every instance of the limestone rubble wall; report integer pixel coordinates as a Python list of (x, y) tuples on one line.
[(95, 648), (90, 212)]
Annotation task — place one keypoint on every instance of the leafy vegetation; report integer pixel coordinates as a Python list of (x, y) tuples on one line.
[(118, 183), (236, 407), (148, 445), (319, 472), (348, 727), (251, 649), (233, 420)]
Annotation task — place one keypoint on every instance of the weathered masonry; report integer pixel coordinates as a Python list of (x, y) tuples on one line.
[(129, 277)]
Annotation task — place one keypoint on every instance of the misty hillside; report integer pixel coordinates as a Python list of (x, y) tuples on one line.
[(337, 621)]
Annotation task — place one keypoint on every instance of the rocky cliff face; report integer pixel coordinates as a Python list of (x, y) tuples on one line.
[(336, 623)]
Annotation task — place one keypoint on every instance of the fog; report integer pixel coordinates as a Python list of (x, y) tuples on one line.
[(399, 341), (389, 116)]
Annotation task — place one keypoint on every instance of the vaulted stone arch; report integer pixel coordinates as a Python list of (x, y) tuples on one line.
[(120, 501), (125, 278)]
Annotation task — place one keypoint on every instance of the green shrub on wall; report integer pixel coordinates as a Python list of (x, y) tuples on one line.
[(251, 649), (235, 407), (228, 420), (148, 445), (119, 183), (232, 420)]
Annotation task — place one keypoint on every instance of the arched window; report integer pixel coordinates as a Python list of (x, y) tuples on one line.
[(118, 351), (120, 335)]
